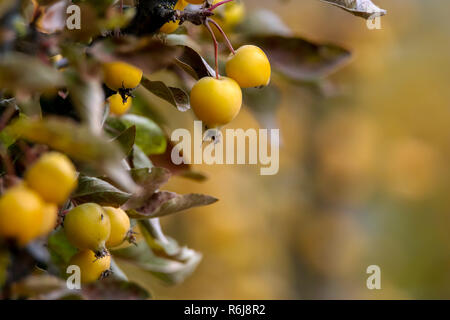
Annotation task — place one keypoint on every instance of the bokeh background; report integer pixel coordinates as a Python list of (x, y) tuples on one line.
[(364, 177)]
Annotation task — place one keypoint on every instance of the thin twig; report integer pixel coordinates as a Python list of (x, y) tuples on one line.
[(7, 162), (27, 152)]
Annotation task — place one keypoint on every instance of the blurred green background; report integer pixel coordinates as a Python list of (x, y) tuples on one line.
[(363, 178)]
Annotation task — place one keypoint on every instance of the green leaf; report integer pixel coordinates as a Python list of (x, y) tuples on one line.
[(6, 139), (60, 248), (126, 139), (300, 59), (163, 203), (91, 189), (78, 142), (361, 8), (149, 136), (175, 96)]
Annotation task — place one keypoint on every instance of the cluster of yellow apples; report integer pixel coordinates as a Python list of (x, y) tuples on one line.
[(123, 78), (30, 209), (92, 229), (217, 100)]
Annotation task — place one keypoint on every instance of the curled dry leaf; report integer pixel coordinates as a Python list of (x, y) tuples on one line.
[(163, 203), (193, 63), (361, 8), (175, 96)]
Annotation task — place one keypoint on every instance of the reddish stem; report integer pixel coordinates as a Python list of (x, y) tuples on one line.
[(7, 162), (227, 40), (28, 153), (216, 46), (218, 4)]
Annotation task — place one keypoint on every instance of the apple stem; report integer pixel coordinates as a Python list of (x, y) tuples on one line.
[(218, 4), (8, 164), (216, 46), (227, 40)]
